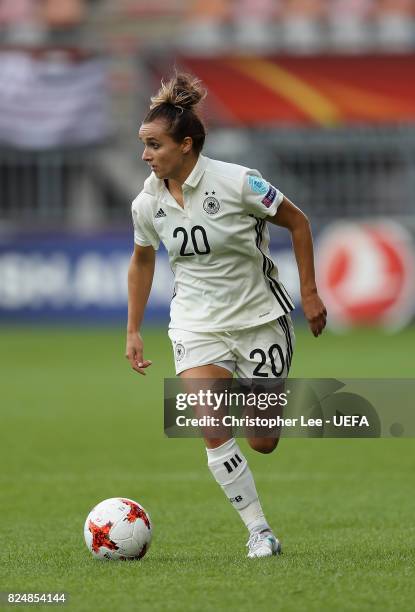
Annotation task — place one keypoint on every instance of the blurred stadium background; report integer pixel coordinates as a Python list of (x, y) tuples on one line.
[(318, 95)]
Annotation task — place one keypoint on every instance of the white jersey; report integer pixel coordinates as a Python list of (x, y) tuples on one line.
[(217, 244)]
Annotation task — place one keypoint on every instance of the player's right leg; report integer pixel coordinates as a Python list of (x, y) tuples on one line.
[(209, 375)]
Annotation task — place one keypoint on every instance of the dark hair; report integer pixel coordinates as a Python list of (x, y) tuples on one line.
[(175, 103)]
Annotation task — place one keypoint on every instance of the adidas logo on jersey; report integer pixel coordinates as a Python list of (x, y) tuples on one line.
[(160, 213)]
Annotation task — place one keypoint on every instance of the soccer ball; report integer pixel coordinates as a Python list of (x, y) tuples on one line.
[(118, 528)]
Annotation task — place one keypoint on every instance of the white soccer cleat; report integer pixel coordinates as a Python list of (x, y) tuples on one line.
[(263, 544)]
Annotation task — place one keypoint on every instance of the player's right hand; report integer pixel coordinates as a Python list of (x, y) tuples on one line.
[(134, 353)]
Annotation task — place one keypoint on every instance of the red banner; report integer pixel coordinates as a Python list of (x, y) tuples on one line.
[(316, 90)]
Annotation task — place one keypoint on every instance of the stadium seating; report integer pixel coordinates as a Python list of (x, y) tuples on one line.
[(255, 24), (395, 24), (205, 26), (295, 25), (349, 25)]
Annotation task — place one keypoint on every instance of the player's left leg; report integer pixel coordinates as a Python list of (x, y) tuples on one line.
[(231, 471), (264, 354)]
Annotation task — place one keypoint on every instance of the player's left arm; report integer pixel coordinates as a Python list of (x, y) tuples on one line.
[(292, 218)]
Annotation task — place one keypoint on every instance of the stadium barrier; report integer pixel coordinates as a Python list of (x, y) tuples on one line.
[(84, 279), (331, 174), (37, 187), (365, 270)]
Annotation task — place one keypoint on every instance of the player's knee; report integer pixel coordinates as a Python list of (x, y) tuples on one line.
[(263, 445)]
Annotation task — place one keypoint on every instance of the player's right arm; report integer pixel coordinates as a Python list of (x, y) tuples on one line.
[(140, 278)]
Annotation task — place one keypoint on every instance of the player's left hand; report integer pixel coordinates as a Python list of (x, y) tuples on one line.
[(315, 313)]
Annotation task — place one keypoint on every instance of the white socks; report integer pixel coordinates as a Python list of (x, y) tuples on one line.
[(231, 471)]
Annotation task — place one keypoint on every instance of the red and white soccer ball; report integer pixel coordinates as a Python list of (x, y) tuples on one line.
[(118, 529)]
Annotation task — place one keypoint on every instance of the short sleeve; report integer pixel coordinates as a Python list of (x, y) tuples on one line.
[(144, 232), (259, 197)]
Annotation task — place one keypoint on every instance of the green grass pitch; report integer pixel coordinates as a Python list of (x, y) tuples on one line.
[(79, 426)]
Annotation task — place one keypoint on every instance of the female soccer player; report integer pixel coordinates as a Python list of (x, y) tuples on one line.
[(229, 312)]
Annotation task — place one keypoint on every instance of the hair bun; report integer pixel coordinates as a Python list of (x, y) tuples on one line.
[(183, 91)]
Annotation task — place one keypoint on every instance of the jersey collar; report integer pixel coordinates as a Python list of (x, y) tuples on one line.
[(198, 171)]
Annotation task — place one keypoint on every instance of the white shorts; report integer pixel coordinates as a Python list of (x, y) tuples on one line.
[(264, 351)]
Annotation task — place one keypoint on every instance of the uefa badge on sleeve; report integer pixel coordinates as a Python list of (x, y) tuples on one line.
[(257, 184)]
